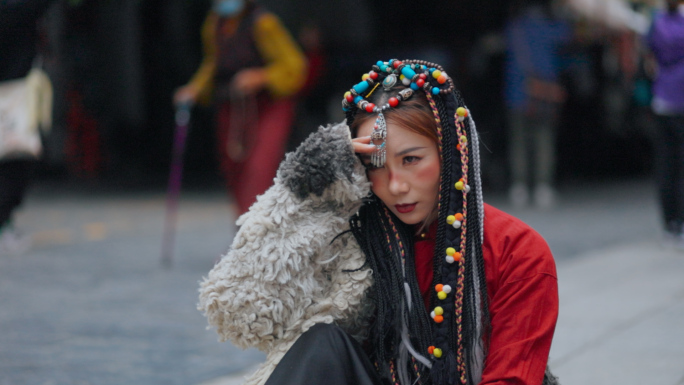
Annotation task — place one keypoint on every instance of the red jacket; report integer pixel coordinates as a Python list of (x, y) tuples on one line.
[(523, 297)]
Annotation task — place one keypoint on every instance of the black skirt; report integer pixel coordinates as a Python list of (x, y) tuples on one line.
[(325, 354)]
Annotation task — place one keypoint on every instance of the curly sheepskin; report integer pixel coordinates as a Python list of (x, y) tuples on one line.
[(284, 273)]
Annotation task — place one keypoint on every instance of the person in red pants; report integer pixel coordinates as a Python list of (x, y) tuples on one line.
[(252, 68)]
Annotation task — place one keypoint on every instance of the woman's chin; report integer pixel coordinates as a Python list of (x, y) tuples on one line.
[(412, 218)]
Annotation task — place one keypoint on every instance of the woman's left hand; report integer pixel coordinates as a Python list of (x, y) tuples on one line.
[(362, 145)]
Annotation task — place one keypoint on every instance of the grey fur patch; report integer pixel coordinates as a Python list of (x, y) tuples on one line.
[(323, 158)]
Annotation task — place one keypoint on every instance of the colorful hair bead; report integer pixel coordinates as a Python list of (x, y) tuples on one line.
[(361, 87), (437, 352), (408, 72)]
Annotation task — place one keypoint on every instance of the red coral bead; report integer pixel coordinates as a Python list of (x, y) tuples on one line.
[(420, 83), (393, 102), (369, 107), (373, 75), (350, 98), (422, 76), (397, 63)]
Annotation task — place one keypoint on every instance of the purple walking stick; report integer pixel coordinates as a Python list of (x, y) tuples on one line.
[(175, 181)]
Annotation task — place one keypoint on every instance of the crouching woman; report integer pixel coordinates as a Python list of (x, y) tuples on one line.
[(373, 258)]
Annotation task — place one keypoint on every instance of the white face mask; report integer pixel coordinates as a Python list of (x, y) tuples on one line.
[(229, 7)]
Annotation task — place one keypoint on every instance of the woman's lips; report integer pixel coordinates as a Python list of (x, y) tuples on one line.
[(405, 208)]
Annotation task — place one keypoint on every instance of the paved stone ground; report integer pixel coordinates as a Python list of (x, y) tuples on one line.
[(90, 303)]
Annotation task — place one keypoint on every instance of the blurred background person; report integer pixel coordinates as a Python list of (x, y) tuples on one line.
[(19, 37), (252, 67), (533, 96), (666, 40)]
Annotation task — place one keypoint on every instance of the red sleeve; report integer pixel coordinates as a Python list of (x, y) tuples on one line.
[(523, 301)]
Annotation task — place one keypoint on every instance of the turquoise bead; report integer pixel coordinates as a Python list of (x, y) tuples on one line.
[(361, 87), (357, 99), (379, 63), (435, 90), (414, 86), (408, 72)]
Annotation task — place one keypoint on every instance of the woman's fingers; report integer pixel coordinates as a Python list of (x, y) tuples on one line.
[(362, 145)]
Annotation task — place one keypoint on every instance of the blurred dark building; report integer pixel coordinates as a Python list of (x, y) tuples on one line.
[(117, 63)]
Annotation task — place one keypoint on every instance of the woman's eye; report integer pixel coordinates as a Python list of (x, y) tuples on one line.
[(411, 159)]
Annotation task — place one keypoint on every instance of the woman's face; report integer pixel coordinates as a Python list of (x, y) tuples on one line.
[(408, 183)]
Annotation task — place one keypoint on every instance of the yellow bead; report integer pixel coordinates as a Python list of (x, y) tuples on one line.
[(459, 186), (439, 310), (365, 76), (437, 352), (451, 219), (401, 77), (347, 94), (450, 251), (460, 111), (463, 139), (435, 74), (441, 295)]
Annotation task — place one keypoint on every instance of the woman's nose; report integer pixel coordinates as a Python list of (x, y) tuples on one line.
[(397, 183)]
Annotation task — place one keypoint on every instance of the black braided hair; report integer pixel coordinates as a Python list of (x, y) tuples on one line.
[(381, 236), (371, 228)]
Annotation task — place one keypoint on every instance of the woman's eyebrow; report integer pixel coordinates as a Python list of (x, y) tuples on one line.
[(406, 151)]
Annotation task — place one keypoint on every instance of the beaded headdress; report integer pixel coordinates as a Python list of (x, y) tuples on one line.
[(448, 344)]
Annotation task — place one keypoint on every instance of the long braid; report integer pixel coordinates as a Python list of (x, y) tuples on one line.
[(373, 223), (462, 335), (480, 321)]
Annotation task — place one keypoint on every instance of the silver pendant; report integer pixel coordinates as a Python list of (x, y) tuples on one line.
[(378, 139)]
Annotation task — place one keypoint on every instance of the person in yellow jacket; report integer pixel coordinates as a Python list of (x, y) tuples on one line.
[(252, 68)]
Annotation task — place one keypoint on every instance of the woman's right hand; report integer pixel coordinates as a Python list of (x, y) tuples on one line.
[(362, 145), (185, 95)]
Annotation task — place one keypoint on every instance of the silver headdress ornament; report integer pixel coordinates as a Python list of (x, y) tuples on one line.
[(378, 138), (412, 74)]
